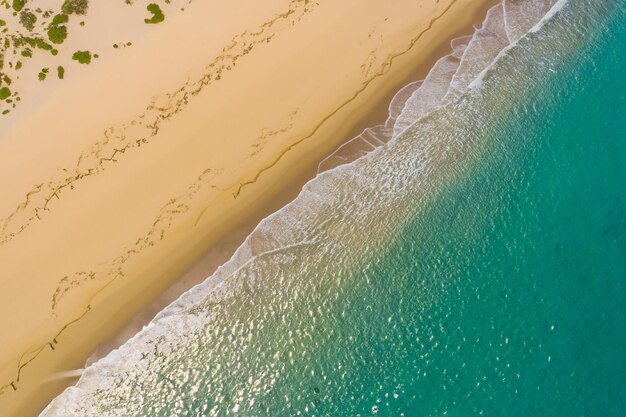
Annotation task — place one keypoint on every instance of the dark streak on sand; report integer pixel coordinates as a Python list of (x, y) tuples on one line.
[(103, 151)]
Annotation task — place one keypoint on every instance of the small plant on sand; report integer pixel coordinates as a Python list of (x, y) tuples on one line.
[(43, 74), (61, 72), (28, 20), (83, 57), (75, 6), (59, 19), (18, 5), (4, 93), (57, 34), (157, 14)]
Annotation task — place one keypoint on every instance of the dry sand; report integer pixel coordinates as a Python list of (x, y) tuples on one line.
[(120, 181)]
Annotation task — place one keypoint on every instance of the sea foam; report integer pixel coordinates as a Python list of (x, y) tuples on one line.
[(451, 75), (305, 248)]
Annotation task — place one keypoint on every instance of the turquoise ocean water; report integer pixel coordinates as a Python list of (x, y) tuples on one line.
[(475, 266)]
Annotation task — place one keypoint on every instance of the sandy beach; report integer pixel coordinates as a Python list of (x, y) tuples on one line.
[(154, 162)]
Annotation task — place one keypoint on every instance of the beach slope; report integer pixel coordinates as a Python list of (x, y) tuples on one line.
[(115, 180)]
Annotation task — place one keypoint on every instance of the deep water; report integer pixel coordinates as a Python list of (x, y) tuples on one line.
[(487, 278), (525, 263)]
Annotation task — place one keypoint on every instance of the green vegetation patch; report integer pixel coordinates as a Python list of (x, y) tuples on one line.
[(57, 34), (61, 72), (59, 19), (75, 6), (43, 74), (32, 42), (28, 20), (18, 5), (157, 14), (83, 57), (4, 93)]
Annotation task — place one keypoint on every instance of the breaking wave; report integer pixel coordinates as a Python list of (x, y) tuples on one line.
[(248, 328)]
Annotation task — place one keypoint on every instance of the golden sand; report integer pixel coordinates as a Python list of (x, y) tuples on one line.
[(121, 178)]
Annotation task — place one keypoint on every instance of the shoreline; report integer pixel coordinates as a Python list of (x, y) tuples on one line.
[(221, 251), (269, 193)]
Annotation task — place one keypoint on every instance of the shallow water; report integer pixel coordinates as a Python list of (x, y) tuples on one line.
[(474, 265)]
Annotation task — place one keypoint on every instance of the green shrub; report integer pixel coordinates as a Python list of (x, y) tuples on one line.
[(75, 6), (61, 72), (28, 20), (18, 5), (43, 74), (83, 57), (4, 93), (157, 14), (57, 34), (59, 19)]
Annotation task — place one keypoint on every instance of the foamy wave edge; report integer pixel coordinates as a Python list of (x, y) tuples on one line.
[(169, 321)]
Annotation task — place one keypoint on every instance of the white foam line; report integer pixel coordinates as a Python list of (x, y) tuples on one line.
[(557, 7), (164, 313), (507, 29), (115, 357), (389, 119), (305, 189)]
